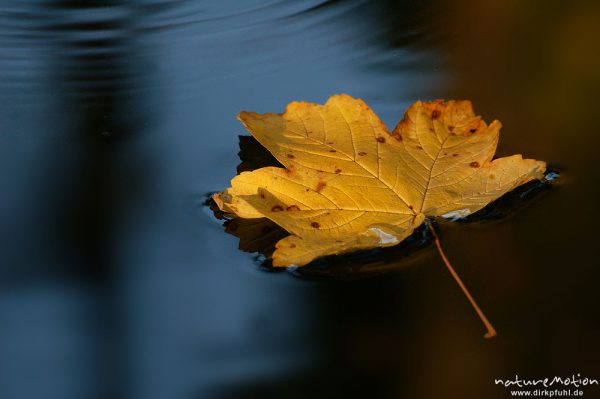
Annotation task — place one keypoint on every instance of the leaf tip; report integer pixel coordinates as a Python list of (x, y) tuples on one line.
[(218, 200), (243, 116)]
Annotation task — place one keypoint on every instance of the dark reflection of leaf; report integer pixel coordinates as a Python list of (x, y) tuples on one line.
[(256, 235), (261, 235), (254, 156)]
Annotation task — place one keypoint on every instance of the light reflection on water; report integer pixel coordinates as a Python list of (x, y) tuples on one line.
[(117, 117)]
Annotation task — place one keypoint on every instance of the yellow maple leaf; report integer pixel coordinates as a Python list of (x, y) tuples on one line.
[(349, 184)]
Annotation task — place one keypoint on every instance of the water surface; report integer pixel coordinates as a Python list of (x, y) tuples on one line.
[(117, 117)]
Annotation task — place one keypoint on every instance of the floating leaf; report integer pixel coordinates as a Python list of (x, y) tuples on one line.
[(348, 184)]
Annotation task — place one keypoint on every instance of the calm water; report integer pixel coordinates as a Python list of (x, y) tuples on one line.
[(117, 117)]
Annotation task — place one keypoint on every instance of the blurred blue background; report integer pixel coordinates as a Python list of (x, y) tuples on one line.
[(116, 119)]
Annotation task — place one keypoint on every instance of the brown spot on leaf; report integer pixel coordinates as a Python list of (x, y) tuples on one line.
[(276, 208), (292, 245), (262, 195), (411, 207), (492, 177), (450, 128), (362, 153), (291, 156), (473, 130), (338, 171), (320, 186), (292, 208), (332, 150), (330, 142), (308, 189), (315, 225), (418, 147), (380, 139), (454, 155), (474, 164), (398, 137), (435, 114)]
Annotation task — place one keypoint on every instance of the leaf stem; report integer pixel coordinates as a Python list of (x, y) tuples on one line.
[(491, 332)]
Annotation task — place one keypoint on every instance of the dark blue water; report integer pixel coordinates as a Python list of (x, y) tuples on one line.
[(117, 117)]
